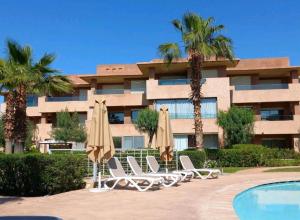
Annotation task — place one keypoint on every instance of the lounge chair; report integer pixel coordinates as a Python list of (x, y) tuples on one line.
[(188, 166), (118, 174), (170, 179), (154, 167)]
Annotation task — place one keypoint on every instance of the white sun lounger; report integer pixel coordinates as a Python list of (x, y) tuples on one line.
[(188, 166), (154, 167), (118, 174), (170, 179)]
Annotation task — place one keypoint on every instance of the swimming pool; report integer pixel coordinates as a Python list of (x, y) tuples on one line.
[(269, 202)]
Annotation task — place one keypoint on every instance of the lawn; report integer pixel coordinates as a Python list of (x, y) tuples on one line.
[(286, 169), (233, 169)]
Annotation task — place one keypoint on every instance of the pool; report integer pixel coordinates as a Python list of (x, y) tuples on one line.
[(269, 202)]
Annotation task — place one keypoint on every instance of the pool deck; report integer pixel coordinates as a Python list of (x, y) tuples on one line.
[(199, 199)]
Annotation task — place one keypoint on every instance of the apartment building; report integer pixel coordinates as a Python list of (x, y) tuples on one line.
[(268, 86)]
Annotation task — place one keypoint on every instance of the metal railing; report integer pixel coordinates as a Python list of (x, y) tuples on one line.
[(164, 82), (65, 98), (277, 118), (190, 116), (262, 86), (109, 91)]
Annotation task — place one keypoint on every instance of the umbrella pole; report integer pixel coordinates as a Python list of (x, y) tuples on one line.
[(166, 166), (95, 172)]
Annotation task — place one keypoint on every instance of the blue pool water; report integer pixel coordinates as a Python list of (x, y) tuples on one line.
[(269, 202)]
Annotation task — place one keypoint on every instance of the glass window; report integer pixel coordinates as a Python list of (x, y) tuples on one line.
[(138, 86), (271, 114), (276, 142), (183, 108), (209, 74), (134, 115), (240, 80), (173, 80), (82, 118), (180, 142), (211, 141), (116, 117), (32, 100), (133, 142), (117, 142)]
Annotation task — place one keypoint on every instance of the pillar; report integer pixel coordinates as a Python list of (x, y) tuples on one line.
[(294, 76), (296, 143), (152, 72)]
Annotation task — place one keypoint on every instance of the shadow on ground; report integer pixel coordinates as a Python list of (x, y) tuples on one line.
[(6, 199)]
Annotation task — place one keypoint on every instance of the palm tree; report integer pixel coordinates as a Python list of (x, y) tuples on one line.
[(29, 77), (201, 40)]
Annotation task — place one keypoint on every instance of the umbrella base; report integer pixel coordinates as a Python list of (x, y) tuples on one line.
[(99, 190)]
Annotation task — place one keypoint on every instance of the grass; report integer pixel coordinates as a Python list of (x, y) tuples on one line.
[(287, 169), (233, 169)]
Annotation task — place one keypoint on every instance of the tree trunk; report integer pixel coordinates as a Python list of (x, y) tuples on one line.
[(150, 140), (20, 124), (196, 61), (9, 121)]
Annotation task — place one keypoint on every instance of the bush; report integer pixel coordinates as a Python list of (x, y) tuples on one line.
[(244, 155), (40, 174), (197, 157)]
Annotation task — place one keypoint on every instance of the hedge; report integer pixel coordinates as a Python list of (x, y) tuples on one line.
[(243, 155), (40, 174)]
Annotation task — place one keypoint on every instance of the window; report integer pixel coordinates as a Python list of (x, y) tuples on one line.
[(209, 74), (133, 142), (116, 117), (240, 80), (134, 114), (211, 141), (180, 142), (271, 114), (274, 142), (183, 108), (173, 80), (138, 86), (82, 118), (32, 100), (117, 142)]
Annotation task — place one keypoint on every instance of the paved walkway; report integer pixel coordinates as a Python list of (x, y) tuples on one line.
[(199, 199)]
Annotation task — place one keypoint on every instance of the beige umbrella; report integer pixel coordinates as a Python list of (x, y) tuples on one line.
[(100, 143), (164, 136)]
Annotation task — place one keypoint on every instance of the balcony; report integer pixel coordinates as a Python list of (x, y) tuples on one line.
[(266, 93), (180, 89), (118, 97), (186, 126), (190, 116), (65, 98), (57, 104), (277, 126)]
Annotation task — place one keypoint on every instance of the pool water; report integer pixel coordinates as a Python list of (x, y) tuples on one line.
[(269, 202)]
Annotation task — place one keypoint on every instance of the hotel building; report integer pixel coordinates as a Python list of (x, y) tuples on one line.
[(269, 86)]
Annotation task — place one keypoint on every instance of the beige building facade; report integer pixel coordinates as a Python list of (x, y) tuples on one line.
[(269, 86)]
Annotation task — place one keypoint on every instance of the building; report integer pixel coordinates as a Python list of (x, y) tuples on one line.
[(269, 86)]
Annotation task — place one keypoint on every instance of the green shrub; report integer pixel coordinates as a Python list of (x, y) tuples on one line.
[(197, 157), (40, 174), (282, 162)]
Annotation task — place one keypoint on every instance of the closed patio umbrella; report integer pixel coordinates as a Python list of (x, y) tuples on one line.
[(100, 143), (164, 137)]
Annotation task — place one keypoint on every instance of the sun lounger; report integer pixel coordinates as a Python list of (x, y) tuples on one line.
[(188, 166), (154, 167), (118, 175), (170, 179)]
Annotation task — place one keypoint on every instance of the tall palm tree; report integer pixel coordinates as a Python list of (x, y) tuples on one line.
[(29, 77), (201, 40)]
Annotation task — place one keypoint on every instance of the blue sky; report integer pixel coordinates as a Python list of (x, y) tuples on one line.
[(89, 32)]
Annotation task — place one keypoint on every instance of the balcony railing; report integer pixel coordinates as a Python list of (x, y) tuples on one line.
[(109, 91), (277, 118), (190, 116), (164, 82), (262, 86), (65, 98)]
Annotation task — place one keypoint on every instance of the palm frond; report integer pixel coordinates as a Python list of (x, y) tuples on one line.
[(169, 52)]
